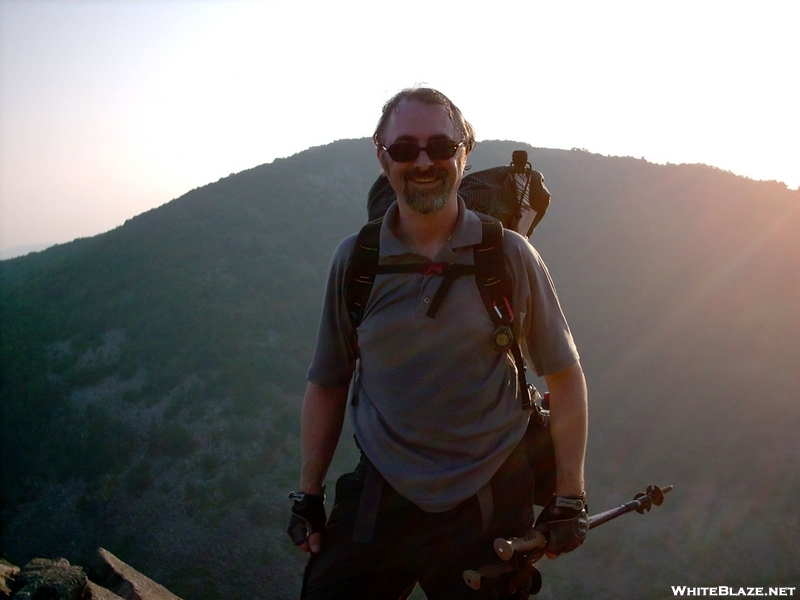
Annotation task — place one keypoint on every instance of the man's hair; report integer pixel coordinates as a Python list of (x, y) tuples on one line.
[(427, 96)]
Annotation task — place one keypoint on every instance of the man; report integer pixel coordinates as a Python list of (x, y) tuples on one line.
[(436, 408)]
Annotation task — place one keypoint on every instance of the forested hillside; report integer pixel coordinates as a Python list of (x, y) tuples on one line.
[(151, 376)]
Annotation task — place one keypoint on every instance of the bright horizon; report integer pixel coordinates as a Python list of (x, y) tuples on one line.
[(109, 108)]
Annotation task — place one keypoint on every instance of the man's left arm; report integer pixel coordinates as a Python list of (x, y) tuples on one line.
[(564, 519), (569, 422)]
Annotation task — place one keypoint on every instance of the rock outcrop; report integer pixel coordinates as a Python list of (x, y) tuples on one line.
[(106, 578), (8, 574)]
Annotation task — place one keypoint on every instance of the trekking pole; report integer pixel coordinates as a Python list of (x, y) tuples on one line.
[(535, 540), (641, 503)]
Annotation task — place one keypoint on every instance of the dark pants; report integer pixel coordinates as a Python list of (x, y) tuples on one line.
[(411, 546)]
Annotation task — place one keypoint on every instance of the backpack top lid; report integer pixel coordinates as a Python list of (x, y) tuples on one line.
[(514, 194)]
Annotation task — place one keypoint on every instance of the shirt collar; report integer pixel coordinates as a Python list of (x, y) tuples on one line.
[(467, 232)]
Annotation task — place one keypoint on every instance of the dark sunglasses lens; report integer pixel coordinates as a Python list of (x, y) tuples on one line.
[(409, 151), (441, 149), (403, 152)]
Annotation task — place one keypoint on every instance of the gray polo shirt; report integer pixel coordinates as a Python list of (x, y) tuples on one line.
[(439, 409)]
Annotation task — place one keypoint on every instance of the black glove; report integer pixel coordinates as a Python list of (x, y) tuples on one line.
[(308, 515), (564, 522)]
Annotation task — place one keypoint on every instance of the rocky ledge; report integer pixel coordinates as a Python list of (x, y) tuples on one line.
[(106, 578)]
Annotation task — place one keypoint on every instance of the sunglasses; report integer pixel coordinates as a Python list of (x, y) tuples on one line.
[(404, 152)]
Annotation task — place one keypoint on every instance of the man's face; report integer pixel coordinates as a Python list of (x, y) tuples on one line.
[(424, 184)]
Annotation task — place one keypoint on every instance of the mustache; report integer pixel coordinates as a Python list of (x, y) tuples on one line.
[(439, 172)]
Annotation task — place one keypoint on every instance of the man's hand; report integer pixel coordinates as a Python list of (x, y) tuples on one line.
[(307, 520), (565, 523)]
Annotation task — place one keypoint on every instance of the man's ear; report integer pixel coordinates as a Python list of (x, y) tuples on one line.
[(381, 154)]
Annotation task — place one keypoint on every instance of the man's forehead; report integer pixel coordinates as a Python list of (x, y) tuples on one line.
[(414, 119)]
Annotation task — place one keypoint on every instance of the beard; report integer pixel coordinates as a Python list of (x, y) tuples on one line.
[(430, 199)]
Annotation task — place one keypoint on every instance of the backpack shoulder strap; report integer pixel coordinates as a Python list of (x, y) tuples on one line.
[(491, 276), (362, 272), (496, 289)]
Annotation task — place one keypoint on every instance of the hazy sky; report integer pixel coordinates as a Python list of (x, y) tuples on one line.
[(111, 107)]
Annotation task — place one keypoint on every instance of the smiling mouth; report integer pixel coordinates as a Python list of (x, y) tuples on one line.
[(426, 178)]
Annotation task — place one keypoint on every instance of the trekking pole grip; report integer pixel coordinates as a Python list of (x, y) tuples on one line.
[(473, 578), (531, 541)]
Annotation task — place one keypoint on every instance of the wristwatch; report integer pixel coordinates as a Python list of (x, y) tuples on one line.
[(301, 497), (576, 503)]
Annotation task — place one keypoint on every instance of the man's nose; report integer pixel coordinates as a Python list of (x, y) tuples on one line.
[(423, 160)]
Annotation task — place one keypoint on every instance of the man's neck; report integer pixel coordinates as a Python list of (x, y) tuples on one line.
[(426, 234)]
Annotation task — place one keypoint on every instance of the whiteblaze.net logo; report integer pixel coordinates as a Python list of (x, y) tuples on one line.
[(724, 590)]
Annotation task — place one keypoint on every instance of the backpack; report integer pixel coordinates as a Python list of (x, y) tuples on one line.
[(501, 197)]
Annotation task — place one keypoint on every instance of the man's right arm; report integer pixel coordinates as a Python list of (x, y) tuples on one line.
[(320, 427), (324, 406)]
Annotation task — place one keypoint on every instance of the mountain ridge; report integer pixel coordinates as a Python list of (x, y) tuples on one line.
[(152, 374)]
